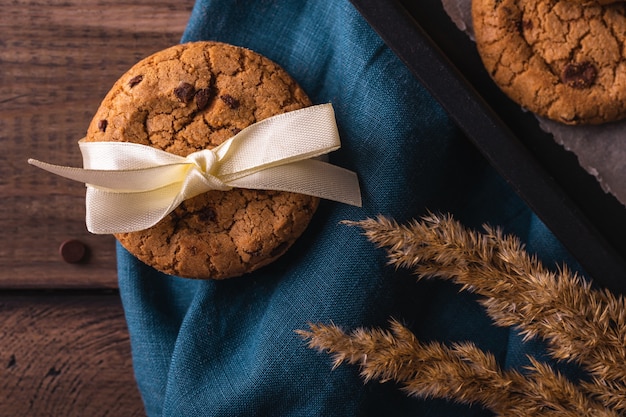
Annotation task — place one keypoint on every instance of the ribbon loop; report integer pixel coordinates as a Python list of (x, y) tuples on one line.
[(131, 187)]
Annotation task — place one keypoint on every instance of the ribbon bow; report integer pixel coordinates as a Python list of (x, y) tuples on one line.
[(131, 187)]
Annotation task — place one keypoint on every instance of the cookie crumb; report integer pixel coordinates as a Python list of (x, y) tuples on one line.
[(185, 92), (230, 101)]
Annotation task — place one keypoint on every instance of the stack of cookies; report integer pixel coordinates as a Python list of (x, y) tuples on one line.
[(191, 97)]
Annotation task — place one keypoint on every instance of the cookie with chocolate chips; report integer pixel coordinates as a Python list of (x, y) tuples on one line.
[(191, 97), (560, 59)]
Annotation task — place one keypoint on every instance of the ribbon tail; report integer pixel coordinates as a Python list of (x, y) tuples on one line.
[(109, 212), (132, 180), (311, 177)]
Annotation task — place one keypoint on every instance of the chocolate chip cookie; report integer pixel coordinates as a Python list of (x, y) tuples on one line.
[(191, 97), (597, 1), (558, 58)]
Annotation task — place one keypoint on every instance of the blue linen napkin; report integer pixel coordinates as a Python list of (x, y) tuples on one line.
[(228, 348)]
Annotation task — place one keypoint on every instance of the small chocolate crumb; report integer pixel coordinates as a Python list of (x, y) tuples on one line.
[(230, 101), (102, 125), (579, 75), (184, 92), (235, 130), (135, 80), (204, 97)]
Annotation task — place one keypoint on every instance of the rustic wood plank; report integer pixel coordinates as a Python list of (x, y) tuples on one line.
[(65, 355), (57, 60)]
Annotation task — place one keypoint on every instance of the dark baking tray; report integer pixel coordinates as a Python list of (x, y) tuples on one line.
[(589, 222)]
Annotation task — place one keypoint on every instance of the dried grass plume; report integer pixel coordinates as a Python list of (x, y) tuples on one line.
[(580, 324)]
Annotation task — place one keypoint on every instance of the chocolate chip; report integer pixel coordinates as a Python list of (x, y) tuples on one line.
[(230, 101), (579, 75), (204, 97), (184, 92), (207, 215), (235, 130), (102, 125), (135, 80)]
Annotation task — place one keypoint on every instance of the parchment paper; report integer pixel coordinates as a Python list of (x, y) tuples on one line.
[(601, 150)]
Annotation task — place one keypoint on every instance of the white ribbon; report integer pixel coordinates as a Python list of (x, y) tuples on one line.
[(131, 187)]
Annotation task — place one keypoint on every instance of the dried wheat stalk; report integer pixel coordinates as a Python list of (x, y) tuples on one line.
[(580, 324), (462, 372)]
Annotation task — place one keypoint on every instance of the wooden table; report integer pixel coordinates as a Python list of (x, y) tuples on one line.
[(64, 347)]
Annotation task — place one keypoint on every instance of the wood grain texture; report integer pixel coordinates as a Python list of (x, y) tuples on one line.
[(57, 61), (65, 355)]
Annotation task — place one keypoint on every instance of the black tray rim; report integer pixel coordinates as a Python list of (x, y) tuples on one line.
[(501, 147)]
